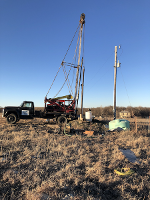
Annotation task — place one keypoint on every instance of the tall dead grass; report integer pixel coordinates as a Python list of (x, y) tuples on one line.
[(37, 161)]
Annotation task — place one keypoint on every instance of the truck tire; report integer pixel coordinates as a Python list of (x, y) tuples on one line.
[(11, 118), (61, 120)]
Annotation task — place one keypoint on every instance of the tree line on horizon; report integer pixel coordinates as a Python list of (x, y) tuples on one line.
[(108, 111)]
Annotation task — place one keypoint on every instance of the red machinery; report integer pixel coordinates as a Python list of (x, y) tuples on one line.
[(58, 105)]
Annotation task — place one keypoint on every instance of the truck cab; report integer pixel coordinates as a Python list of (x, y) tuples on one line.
[(27, 109), (14, 114)]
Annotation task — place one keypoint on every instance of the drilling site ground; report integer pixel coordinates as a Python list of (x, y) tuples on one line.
[(39, 160)]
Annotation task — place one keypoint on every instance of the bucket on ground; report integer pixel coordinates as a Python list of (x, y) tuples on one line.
[(88, 116)]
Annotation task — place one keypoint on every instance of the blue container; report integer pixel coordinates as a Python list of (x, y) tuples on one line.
[(119, 123)]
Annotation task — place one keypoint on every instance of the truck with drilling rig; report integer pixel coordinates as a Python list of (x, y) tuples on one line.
[(54, 108)]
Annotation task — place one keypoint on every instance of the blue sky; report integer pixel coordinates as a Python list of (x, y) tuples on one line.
[(35, 35)]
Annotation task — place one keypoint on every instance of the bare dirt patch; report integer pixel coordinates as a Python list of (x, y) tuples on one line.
[(38, 161)]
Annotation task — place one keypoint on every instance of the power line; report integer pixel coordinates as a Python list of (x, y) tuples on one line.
[(99, 70), (125, 87)]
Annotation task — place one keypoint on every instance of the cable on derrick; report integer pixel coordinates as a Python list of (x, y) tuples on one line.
[(63, 60)]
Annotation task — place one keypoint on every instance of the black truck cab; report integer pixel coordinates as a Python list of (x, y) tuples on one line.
[(27, 109), (14, 114)]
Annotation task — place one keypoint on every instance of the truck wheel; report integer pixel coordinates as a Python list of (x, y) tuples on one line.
[(11, 118), (61, 120)]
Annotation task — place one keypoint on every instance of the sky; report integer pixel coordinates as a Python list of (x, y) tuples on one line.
[(34, 38)]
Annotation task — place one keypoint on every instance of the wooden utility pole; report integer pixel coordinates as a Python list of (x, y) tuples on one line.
[(115, 72)]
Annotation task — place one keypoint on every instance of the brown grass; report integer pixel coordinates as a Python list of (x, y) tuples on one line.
[(38, 161)]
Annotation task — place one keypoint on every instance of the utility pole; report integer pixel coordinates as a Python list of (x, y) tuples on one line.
[(115, 73)]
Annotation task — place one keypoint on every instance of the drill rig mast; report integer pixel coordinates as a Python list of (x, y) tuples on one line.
[(58, 105)]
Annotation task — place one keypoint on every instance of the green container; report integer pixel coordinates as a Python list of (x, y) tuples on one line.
[(119, 123)]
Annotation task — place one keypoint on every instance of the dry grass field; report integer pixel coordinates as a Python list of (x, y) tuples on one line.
[(38, 161)]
